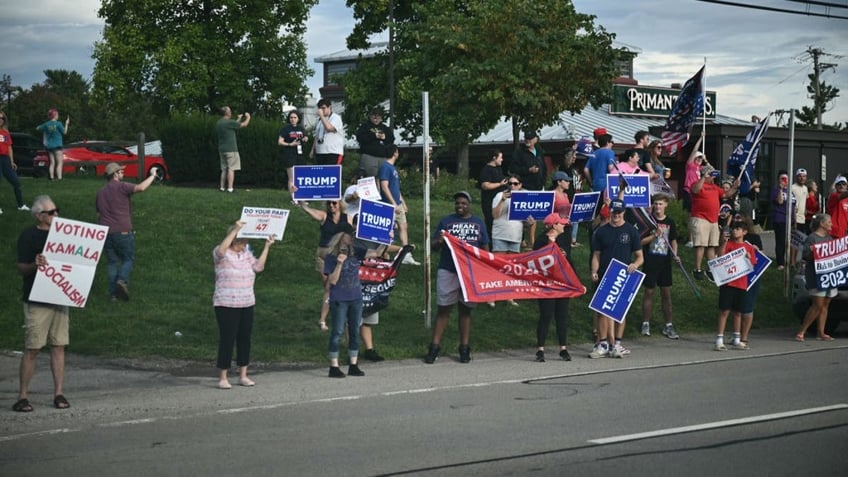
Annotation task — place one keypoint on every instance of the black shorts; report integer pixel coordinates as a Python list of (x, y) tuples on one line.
[(731, 298), (291, 160), (657, 271), (687, 200)]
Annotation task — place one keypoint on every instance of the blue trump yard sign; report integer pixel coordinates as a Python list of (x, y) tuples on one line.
[(616, 291), (375, 221), (525, 204), (318, 182), (583, 207), (638, 190)]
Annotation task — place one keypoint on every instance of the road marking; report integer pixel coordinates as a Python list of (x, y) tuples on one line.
[(37, 434), (717, 424)]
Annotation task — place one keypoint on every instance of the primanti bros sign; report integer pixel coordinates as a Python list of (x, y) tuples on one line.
[(651, 101)]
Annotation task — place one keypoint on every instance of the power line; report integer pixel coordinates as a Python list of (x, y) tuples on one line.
[(823, 4), (778, 10)]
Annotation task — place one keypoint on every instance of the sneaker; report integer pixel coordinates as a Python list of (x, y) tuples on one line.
[(709, 275), (622, 349), (23, 208), (689, 244), (617, 351), (599, 351), (230, 191), (220, 189), (1, 211), (563, 354), (122, 291), (432, 354), (410, 260), (353, 370), (465, 354), (372, 355), (741, 346), (646, 328), (335, 372), (699, 275), (720, 347), (669, 332), (540, 356)]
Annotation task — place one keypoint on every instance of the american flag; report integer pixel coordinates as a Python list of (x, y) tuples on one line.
[(688, 106), (745, 155)]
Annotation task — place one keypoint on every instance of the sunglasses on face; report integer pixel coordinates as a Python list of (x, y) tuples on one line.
[(51, 211), (515, 183)]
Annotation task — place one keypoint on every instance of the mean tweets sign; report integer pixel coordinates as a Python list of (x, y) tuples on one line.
[(318, 182)]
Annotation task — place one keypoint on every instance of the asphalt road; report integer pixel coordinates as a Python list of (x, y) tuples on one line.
[(780, 408)]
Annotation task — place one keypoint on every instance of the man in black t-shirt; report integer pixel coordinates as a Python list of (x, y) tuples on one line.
[(492, 181)]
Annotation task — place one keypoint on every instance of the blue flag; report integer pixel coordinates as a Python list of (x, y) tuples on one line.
[(745, 155), (687, 107)]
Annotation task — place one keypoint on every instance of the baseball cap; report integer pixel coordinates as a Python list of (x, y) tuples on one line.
[(464, 194), (376, 111), (530, 134), (599, 132), (840, 180), (617, 206), (715, 173), (555, 218), (725, 209), (801, 171), (561, 176), (585, 146), (113, 167)]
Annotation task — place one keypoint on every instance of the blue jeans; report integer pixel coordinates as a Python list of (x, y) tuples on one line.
[(341, 313), (12, 177), (120, 255)]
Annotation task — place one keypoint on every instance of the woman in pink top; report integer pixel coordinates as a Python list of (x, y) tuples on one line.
[(235, 271), (693, 173)]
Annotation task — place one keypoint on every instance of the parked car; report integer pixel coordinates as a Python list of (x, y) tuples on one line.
[(837, 312), (92, 156), (26, 147)]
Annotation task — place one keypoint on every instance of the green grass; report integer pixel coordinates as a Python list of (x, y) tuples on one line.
[(172, 284)]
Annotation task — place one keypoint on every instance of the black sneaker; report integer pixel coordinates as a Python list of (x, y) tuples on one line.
[(709, 275), (122, 291), (699, 275), (335, 372), (432, 354), (371, 355), (464, 354), (563, 353), (353, 370), (540, 356)]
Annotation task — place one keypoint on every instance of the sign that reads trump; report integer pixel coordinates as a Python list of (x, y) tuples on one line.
[(375, 221), (638, 190), (525, 204), (318, 182), (583, 207), (616, 291), (261, 223), (72, 251)]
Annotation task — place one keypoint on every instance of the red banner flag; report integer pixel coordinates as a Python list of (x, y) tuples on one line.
[(486, 276)]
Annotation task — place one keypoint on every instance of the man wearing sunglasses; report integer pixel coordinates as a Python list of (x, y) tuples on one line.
[(44, 323)]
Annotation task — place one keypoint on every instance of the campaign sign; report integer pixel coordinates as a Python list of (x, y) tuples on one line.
[(638, 190), (525, 204), (261, 223), (318, 182), (831, 261), (583, 207), (763, 262), (616, 291), (72, 251), (730, 266), (376, 221), (366, 188), (797, 239)]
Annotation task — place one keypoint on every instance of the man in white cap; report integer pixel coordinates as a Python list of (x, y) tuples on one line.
[(114, 210), (799, 191)]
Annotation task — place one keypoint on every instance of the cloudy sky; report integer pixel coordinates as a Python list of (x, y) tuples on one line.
[(754, 57)]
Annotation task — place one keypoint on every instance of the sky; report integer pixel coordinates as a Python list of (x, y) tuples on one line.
[(754, 57)]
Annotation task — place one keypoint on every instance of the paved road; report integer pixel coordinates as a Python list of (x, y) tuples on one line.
[(503, 414)]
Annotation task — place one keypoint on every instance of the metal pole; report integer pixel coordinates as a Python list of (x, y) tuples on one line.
[(141, 172), (425, 108), (789, 216)]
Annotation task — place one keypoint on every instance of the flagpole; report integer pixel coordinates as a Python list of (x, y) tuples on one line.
[(789, 213), (704, 96), (425, 108)]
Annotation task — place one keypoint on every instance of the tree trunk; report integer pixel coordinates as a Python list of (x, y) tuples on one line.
[(462, 161)]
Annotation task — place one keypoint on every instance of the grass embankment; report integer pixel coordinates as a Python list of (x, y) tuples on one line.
[(171, 286)]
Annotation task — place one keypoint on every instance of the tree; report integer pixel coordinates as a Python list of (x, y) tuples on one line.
[(196, 56), (64, 90), (480, 61), (821, 96)]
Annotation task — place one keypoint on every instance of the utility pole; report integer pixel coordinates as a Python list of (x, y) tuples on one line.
[(818, 68)]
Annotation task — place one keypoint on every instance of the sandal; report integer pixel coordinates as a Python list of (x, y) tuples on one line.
[(323, 325), (246, 382), (22, 405), (799, 337), (59, 402), (825, 338)]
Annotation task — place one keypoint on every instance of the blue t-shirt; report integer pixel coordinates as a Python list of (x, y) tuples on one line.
[(470, 230), (348, 288), (52, 132), (599, 167), (388, 172)]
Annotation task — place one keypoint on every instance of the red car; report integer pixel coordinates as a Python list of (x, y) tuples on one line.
[(88, 156)]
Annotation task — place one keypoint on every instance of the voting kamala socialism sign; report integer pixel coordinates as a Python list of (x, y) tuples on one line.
[(831, 262), (583, 207), (525, 204), (375, 221), (318, 182), (261, 223), (638, 190), (616, 291), (72, 251)]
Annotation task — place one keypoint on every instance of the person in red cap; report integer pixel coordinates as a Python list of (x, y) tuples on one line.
[(553, 308)]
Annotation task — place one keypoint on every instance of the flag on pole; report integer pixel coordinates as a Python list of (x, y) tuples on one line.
[(687, 107), (743, 160)]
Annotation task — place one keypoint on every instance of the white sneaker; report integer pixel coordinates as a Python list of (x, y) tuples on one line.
[(23, 208), (720, 347), (409, 260), (599, 352), (618, 351), (1, 211), (689, 244), (646, 328)]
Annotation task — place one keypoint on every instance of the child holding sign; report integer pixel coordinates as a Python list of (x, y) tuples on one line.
[(731, 296)]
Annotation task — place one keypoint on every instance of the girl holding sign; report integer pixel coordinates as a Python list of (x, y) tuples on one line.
[(341, 267), (819, 299)]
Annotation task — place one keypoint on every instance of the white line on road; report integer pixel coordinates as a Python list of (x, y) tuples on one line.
[(716, 425)]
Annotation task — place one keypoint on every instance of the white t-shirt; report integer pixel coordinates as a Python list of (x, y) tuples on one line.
[(351, 208), (800, 193), (502, 227), (330, 142)]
